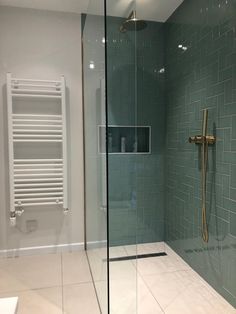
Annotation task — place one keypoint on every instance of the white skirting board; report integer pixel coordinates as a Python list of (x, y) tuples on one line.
[(37, 250), (49, 249), (96, 245)]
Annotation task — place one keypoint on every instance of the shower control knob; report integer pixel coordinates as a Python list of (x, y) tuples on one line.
[(197, 139)]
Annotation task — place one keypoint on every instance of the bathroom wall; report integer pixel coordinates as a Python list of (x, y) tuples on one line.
[(203, 76), (136, 182), (43, 45)]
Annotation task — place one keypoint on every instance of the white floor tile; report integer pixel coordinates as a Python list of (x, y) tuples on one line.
[(117, 251), (166, 287), (30, 272), (132, 297), (75, 268), (159, 265), (146, 303), (98, 264), (145, 248), (122, 270), (196, 300), (80, 298), (39, 301), (101, 289), (123, 296), (123, 288)]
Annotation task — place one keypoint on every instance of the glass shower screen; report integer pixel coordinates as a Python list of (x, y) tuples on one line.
[(93, 40)]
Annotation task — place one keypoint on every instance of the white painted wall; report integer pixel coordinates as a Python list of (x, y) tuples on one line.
[(43, 45)]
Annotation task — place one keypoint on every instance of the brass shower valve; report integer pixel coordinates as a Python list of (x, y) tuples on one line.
[(200, 139)]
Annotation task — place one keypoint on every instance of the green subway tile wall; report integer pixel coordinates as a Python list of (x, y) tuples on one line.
[(203, 76), (136, 182)]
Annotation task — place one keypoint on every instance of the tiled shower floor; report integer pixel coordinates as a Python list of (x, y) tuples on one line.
[(61, 283), (163, 284)]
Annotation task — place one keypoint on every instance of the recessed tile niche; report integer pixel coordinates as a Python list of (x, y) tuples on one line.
[(125, 139)]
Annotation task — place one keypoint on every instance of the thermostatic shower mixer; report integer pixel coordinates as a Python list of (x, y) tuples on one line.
[(201, 139)]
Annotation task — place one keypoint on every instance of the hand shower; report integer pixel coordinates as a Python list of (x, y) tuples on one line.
[(204, 140)]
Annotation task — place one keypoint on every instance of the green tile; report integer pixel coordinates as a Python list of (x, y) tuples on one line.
[(233, 176), (234, 127), (205, 77), (233, 224)]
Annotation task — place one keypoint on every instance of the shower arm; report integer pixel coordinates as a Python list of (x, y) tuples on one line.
[(132, 15)]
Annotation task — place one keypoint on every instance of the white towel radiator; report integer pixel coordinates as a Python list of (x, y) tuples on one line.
[(36, 181)]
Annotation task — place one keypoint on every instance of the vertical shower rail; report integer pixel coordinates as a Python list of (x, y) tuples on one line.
[(36, 181), (204, 140)]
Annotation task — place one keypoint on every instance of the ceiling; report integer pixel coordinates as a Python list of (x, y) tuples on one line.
[(156, 10)]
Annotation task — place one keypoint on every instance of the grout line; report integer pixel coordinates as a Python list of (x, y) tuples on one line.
[(197, 277), (165, 272), (176, 271), (126, 250), (27, 290), (149, 289), (78, 283), (179, 294)]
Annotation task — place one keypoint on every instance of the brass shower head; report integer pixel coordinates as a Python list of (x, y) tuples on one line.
[(133, 23)]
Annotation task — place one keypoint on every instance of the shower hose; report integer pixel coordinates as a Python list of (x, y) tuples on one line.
[(205, 234)]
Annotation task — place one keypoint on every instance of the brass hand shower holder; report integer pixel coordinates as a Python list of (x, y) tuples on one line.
[(204, 140)]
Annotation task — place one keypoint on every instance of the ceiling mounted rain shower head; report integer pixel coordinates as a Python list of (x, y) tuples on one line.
[(133, 24)]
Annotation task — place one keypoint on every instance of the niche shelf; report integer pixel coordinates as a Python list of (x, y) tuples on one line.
[(125, 139), (37, 143)]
